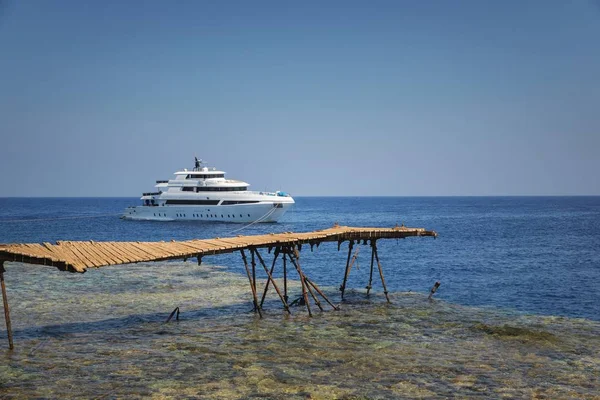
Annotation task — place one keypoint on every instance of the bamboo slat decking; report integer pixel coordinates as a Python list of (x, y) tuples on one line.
[(80, 256)]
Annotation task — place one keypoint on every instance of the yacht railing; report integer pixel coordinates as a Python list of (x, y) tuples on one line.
[(246, 192), (239, 193)]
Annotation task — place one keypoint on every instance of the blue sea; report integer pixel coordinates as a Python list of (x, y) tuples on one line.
[(516, 315)]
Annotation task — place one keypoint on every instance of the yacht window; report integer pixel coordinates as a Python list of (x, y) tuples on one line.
[(187, 189), (194, 202), (204, 176), (221, 189)]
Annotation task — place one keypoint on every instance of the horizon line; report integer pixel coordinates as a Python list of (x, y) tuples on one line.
[(331, 196)]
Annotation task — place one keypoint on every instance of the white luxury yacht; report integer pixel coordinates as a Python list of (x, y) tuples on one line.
[(203, 194)]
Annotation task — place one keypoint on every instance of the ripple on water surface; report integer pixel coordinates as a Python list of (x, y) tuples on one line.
[(102, 334)]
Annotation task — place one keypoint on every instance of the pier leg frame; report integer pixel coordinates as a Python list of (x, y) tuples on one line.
[(349, 265), (309, 283), (296, 263), (285, 291), (380, 271), (369, 286), (253, 270), (347, 270), (6, 309), (262, 300), (252, 285), (269, 274)]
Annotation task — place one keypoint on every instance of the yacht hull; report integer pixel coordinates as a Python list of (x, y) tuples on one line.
[(239, 213)]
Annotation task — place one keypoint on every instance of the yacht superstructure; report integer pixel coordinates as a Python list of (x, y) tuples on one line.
[(204, 194)]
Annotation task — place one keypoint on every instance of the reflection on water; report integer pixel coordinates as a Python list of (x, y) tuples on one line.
[(102, 334)]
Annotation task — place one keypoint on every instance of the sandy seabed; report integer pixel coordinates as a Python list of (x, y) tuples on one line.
[(102, 335)]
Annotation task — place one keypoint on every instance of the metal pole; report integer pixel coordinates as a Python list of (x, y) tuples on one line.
[(6, 309)]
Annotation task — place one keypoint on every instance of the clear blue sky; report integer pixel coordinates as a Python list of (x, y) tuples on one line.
[(315, 98)]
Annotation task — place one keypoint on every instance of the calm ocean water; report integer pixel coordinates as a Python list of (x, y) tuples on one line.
[(518, 292), (532, 254)]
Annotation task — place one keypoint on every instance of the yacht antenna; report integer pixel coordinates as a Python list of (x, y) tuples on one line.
[(198, 163)]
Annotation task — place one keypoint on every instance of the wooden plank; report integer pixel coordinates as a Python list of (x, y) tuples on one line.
[(194, 250), (151, 251), (164, 249), (76, 258), (81, 254), (77, 263), (211, 242), (104, 249), (182, 250), (124, 251), (116, 250), (98, 259), (59, 255), (109, 248), (101, 256), (139, 253)]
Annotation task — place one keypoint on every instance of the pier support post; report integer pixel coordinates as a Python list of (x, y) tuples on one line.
[(314, 285), (369, 286), (252, 286), (285, 295), (302, 278), (381, 272), (262, 300), (253, 269), (312, 294), (310, 283), (347, 270), (6, 309), (269, 274)]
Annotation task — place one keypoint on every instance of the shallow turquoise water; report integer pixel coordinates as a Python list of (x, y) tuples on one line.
[(102, 335), (532, 254), (517, 315)]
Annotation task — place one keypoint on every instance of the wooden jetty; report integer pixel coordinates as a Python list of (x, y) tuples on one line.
[(80, 256)]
